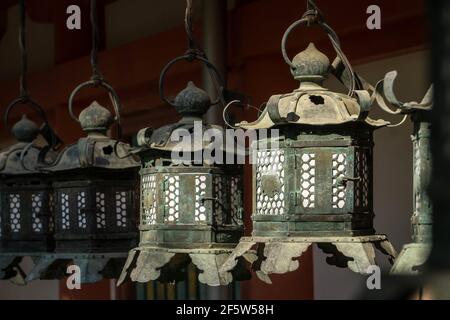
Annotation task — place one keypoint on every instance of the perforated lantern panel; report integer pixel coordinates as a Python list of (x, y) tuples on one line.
[(25, 215), (190, 205), (312, 187), (98, 216)]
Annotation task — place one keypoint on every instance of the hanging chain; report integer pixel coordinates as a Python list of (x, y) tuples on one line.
[(194, 49), (315, 16), (96, 74), (24, 95)]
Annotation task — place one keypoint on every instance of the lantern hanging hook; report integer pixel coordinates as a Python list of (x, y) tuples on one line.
[(238, 103), (194, 52), (97, 79), (313, 16)]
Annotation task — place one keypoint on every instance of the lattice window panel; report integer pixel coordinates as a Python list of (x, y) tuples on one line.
[(200, 193), (270, 162), (51, 208), (358, 184), (121, 209), (339, 165), (15, 212), (81, 209), (65, 211), (365, 179), (36, 211), (149, 196), (219, 191), (308, 180), (236, 200), (100, 218), (172, 197)]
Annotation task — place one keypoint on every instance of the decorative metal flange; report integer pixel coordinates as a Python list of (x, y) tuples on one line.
[(279, 255), (93, 267), (411, 259), (167, 265)]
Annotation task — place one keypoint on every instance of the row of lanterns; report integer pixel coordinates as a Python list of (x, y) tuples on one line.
[(311, 185)]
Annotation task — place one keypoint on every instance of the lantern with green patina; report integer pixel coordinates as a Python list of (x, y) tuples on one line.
[(94, 185), (313, 183), (191, 207), (413, 256), (26, 220)]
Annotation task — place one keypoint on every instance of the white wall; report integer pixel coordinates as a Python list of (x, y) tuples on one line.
[(392, 175)]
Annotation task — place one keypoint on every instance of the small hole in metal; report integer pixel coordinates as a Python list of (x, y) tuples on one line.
[(108, 150), (317, 100)]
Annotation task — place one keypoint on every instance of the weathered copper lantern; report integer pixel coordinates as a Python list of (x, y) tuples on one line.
[(413, 256), (191, 210), (95, 194), (26, 225), (95, 201), (315, 185)]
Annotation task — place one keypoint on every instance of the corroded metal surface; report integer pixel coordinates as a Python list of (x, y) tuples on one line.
[(311, 103), (166, 264), (279, 255), (414, 255)]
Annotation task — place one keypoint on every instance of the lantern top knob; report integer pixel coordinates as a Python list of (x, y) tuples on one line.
[(25, 130), (192, 101), (95, 118), (310, 65)]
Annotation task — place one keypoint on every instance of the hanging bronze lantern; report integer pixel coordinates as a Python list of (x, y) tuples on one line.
[(95, 200), (413, 256), (191, 210), (26, 224), (315, 186), (26, 219), (94, 189)]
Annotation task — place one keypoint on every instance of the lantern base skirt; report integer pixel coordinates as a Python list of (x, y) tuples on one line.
[(164, 264), (279, 255), (411, 259), (10, 268), (93, 267)]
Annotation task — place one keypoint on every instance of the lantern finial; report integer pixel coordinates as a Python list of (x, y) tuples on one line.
[(310, 65), (95, 118), (25, 130), (192, 101)]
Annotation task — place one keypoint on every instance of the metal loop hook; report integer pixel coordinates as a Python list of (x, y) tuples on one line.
[(333, 37), (24, 101), (112, 96), (191, 57)]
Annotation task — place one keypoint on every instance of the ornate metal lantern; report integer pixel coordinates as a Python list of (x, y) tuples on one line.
[(95, 200), (191, 210), (94, 190), (414, 255), (26, 225), (316, 185)]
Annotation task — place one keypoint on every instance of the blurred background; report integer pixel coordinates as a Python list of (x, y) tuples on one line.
[(140, 36)]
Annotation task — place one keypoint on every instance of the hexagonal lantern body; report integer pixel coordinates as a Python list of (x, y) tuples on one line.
[(318, 181), (95, 202), (191, 209), (26, 225), (312, 183)]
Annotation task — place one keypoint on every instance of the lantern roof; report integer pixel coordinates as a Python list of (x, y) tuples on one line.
[(97, 149), (23, 156), (312, 104), (191, 103)]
